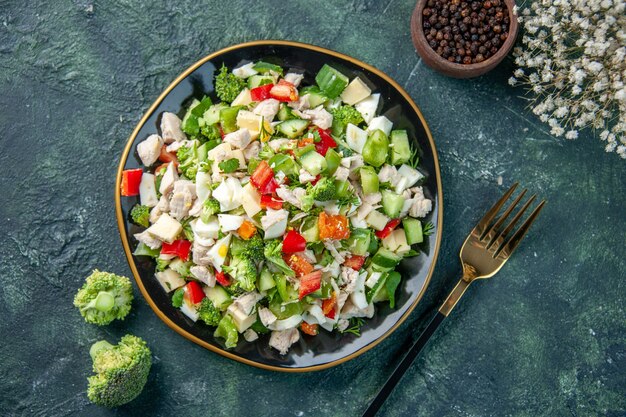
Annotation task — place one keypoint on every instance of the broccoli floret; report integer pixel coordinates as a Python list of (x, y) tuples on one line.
[(188, 160), (141, 215), (227, 85), (323, 190), (104, 297), (254, 248), (266, 152), (273, 252), (226, 330), (243, 270), (347, 114), (121, 371), (210, 207), (208, 313), (161, 264), (210, 133)]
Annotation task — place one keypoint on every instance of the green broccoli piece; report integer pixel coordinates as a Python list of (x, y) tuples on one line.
[(254, 248), (140, 215), (121, 371), (323, 190), (188, 160), (243, 270), (266, 152), (226, 330), (227, 85), (210, 207), (210, 133), (347, 114), (104, 297), (208, 313), (343, 115), (273, 252)]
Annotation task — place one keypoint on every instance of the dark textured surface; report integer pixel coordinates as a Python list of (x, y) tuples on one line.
[(545, 338)]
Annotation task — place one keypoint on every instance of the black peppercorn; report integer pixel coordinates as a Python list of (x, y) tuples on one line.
[(465, 31)]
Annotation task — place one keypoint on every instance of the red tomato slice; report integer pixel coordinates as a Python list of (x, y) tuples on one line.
[(222, 278), (355, 262), (284, 91), (392, 224), (310, 329)]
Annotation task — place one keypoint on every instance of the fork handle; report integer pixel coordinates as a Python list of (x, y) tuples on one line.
[(406, 362)]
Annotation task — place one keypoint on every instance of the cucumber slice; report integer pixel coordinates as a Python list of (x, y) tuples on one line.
[(377, 292), (386, 259), (359, 242), (212, 115), (341, 188), (228, 118), (376, 148), (292, 128), (315, 99), (285, 113), (392, 203), (369, 180), (281, 286), (313, 162), (218, 296), (413, 231), (266, 281), (331, 82), (284, 163), (310, 230), (400, 149), (259, 80), (283, 311)]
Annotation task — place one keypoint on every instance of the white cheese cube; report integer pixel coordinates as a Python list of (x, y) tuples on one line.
[(166, 228), (169, 280), (251, 121), (356, 91), (411, 174), (251, 200)]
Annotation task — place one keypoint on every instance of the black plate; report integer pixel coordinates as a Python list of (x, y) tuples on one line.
[(325, 349)]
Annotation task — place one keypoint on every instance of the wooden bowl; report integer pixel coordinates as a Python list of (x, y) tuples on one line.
[(452, 69)]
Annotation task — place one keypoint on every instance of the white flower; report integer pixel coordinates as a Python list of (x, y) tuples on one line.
[(572, 134)]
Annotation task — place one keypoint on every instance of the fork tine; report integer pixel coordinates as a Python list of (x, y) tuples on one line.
[(500, 237), (504, 216), (508, 248), (487, 218)]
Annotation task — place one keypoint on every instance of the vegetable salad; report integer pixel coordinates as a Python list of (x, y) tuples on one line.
[(277, 207)]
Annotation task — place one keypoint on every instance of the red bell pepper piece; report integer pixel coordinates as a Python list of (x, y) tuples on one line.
[(317, 178), (193, 292), (326, 142), (309, 283), (293, 242), (329, 306), (310, 329), (355, 262), (267, 201), (130, 181), (166, 156), (392, 224), (284, 91), (221, 277), (299, 265), (180, 248), (261, 93), (270, 188), (262, 175)]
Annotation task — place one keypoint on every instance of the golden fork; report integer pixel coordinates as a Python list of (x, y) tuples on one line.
[(486, 249)]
